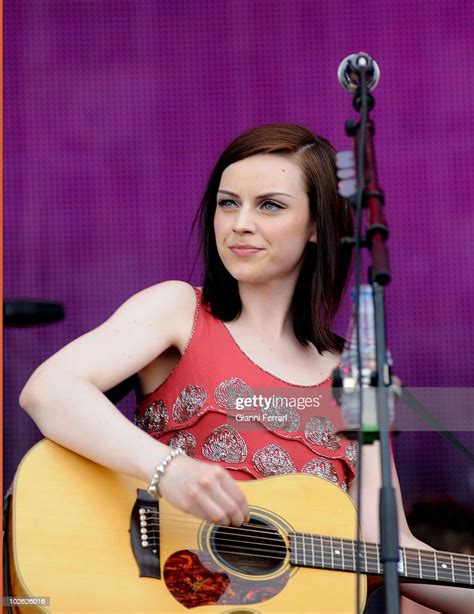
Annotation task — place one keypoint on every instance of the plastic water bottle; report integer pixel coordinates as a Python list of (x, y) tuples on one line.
[(347, 380)]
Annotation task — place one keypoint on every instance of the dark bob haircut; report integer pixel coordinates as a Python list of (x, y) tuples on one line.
[(325, 268)]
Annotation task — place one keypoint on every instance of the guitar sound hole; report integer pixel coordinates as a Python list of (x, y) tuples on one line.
[(255, 548)]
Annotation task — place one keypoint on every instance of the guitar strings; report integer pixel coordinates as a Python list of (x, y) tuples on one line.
[(328, 548), (272, 533), (257, 547), (371, 555), (254, 528), (323, 563), (371, 565)]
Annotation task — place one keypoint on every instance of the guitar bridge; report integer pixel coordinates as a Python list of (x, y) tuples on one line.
[(145, 535)]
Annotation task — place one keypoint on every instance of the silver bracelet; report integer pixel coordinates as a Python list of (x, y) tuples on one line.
[(160, 470)]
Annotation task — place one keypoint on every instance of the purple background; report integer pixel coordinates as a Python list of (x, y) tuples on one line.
[(117, 109)]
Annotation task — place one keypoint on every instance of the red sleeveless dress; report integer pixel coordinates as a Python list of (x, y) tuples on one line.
[(220, 406)]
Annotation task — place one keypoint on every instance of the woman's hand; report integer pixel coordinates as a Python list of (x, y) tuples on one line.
[(204, 490)]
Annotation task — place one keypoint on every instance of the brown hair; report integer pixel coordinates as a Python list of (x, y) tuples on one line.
[(321, 282)]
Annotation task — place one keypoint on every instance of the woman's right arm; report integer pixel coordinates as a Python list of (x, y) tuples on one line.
[(64, 396)]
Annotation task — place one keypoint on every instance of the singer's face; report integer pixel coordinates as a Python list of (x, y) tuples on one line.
[(262, 221)]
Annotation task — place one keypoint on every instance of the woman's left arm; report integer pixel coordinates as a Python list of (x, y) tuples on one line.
[(447, 599)]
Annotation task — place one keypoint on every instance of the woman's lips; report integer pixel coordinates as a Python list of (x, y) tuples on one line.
[(245, 252)]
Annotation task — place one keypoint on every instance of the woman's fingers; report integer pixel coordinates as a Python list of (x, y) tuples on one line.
[(236, 495), (222, 499), (223, 509), (204, 490)]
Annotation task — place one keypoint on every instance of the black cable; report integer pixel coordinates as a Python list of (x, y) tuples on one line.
[(414, 404)]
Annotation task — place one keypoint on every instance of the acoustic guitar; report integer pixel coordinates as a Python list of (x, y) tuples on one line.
[(93, 542)]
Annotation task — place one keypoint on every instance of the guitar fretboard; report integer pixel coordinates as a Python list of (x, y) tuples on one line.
[(324, 552)]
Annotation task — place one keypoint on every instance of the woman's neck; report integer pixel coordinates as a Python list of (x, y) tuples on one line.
[(266, 308)]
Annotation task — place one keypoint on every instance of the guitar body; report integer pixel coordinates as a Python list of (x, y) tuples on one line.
[(70, 541)]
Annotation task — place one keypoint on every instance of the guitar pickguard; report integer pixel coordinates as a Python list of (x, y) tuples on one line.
[(194, 579)]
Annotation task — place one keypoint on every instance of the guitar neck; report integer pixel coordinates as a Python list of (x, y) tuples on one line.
[(433, 567)]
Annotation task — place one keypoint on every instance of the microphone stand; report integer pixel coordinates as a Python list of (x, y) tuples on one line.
[(369, 197)]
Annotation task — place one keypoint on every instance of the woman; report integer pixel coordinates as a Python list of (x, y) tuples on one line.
[(275, 273)]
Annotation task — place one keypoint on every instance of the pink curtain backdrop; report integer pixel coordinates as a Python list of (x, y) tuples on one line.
[(115, 112)]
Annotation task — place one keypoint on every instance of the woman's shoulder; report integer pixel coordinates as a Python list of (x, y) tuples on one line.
[(169, 295), (169, 304)]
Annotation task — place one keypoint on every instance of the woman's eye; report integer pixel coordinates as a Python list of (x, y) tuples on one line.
[(225, 203), (269, 205)]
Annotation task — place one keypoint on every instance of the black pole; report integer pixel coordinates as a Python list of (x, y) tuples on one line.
[(369, 196)]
